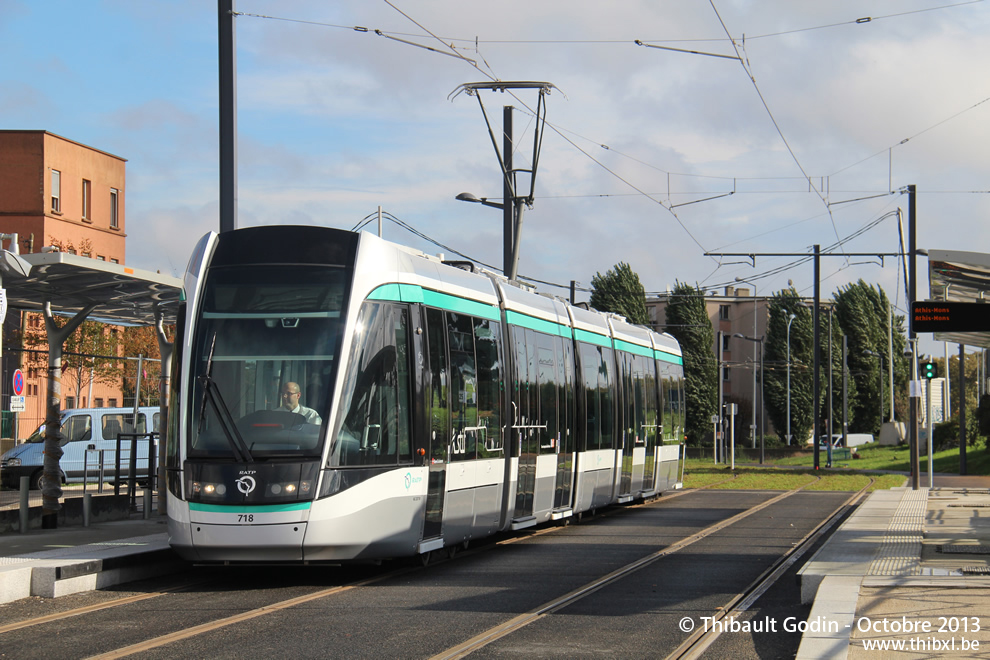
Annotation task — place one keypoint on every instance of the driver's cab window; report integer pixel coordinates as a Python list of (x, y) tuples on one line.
[(77, 428)]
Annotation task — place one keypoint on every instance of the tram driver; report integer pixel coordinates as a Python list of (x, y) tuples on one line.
[(290, 402)]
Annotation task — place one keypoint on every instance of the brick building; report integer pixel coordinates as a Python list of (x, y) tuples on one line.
[(56, 190)]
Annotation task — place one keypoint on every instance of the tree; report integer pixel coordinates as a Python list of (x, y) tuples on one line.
[(620, 291), (688, 322), (780, 308), (862, 310), (141, 341)]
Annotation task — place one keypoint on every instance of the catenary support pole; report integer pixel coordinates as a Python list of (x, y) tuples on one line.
[(227, 44)]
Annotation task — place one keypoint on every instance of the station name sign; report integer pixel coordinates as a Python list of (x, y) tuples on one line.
[(944, 316)]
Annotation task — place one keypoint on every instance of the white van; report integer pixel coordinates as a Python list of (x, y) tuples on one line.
[(87, 431)]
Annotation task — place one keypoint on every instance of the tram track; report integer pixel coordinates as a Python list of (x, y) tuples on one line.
[(460, 650), (701, 639), (517, 623)]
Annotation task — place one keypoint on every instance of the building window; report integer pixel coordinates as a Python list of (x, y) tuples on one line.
[(98, 402), (114, 261), (725, 342), (723, 312), (86, 204), (56, 191), (114, 221), (70, 402), (725, 373), (101, 257), (113, 403)]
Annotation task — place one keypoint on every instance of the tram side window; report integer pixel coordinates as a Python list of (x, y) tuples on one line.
[(438, 384), (548, 380), (375, 429), (637, 404), (598, 376), (465, 429), (653, 420), (677, 404), (487, 346), (672, 381)]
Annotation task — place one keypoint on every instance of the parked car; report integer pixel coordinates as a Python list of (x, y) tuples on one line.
[(87, 432)]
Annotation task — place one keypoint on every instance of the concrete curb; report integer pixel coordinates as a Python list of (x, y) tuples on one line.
[(65, 571)]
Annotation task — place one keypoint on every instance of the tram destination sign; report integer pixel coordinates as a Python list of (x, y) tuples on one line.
[(946, 316)]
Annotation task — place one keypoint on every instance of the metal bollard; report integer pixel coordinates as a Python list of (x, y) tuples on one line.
[(147, 503), (87, 508), (25, 507)]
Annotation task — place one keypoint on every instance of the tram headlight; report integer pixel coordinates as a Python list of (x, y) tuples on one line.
[(205, 488), (12, 462), (291, 489)]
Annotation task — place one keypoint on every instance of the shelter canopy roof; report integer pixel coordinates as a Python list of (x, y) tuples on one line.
[(122, 295), (960, 277)]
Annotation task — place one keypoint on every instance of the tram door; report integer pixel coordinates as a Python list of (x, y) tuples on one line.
[(627, 423), (524, 423), (438, 411), (564, 483), (653, 425)]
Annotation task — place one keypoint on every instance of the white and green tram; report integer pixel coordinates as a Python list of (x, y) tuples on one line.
[(444, 405)]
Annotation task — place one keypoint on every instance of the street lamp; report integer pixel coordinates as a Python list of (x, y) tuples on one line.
[(789, 320), (763, 423), (755, 332), (512, 210)]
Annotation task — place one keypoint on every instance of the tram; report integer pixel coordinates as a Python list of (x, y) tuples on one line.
[(339, 397)]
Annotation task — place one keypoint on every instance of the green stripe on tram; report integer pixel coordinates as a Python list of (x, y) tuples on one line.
[(413, 293), (635, 349), (539, 325), (258, 508), (669, 357), (592, 338)]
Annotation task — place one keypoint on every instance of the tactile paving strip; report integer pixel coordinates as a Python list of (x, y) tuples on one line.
[(13, 560), (899, 552)]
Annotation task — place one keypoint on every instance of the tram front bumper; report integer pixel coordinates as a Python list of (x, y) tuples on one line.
[(209, 542)]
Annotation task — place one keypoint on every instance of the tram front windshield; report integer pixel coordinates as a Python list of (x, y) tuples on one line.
[(264, 357)]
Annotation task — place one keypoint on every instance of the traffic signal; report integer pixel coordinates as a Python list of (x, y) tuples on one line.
[(929, 370)]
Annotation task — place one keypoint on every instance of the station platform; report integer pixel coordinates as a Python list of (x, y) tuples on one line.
[(906, 575), (67, 560)]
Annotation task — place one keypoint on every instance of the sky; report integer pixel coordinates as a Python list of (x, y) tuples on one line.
[(791, 124)]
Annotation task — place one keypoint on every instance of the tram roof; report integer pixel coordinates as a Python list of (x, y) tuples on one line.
[(957, 276), (71, 283)]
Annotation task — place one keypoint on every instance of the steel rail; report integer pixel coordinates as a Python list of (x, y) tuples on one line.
[(698, 642)]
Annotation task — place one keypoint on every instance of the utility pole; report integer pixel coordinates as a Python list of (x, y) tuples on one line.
[(816, 387), (912, 336), (227, 42), (508, 196)]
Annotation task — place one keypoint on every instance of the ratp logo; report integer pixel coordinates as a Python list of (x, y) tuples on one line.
[(246, 485), (410, 480)]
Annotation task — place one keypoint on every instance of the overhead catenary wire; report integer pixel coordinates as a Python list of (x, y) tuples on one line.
[(448, 44)]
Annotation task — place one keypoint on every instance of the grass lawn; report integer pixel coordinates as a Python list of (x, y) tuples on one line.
[(699, 473), (852, 474), (876, 457)]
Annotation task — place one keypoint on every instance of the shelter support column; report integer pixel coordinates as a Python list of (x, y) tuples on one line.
[(165, 348), (56, 336)]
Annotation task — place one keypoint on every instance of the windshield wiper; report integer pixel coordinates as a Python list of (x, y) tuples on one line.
[(211, 393)]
